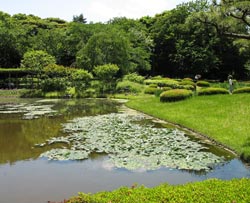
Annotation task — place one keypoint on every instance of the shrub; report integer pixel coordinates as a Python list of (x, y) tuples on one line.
[(202, 83), (163, 83), (54, 84), (187, 87), (33, 94), (153, 85), (134, 77), (175, 95), (187, 82), (129, 87), (212, 90), (242, 90), (150, 90)]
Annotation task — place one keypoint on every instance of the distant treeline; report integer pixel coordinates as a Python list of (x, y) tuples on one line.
[(210, 39)]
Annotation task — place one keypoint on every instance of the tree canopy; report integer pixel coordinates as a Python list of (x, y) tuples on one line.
[(204, 37)]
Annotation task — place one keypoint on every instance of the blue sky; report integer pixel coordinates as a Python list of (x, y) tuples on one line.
[(93, 10)]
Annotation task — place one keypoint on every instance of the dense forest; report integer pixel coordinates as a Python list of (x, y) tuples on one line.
[(199, 37)]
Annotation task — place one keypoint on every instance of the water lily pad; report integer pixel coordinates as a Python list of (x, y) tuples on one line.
[(131, 144)]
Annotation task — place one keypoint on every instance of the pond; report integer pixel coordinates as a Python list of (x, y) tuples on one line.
[(52, 149)]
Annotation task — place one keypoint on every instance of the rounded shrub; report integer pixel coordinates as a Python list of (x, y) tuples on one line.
[(153, 85), (186, 82), (242, 90), (134, 77), (202, 83), (212, 91), (150, 90), (175, 95), (129, 87)]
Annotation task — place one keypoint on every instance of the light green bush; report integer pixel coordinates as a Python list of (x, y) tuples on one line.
[(212, 190), (242, 90), (150, 90), (129, 87), (175, 95), (212, 91), (202, 83), (134, 77)]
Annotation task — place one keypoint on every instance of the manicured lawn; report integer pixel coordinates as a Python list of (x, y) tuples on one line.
[(207, 191), (225, 118)]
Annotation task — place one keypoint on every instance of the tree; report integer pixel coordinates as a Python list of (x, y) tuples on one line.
[(36, 61), (102, 48), (106, 73), (230, 18), (79, 19), (81, 80)]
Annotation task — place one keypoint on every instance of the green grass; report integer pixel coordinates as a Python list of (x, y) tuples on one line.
[(209, 191), (224, 118)]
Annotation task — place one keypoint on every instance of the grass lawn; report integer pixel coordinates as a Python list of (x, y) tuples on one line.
[(225, 118)]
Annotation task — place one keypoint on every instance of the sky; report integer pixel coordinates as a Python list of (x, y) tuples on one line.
[(92, 10)]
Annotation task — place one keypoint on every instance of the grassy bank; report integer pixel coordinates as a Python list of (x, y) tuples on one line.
[(207, 191), (224, 118)]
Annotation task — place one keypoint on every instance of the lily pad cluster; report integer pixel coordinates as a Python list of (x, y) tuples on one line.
[(130, 144), (29, 111)]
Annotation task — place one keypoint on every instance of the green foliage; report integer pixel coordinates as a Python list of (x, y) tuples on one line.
[(163, 82), (106, 72), (33, 94), (54, 84), (150, 90), (134, 77), (212, 91), (81, 80), (54, 70), (129, 87), (202, 83), (213, 190), (175, 95), (186, 82), (242, 90)]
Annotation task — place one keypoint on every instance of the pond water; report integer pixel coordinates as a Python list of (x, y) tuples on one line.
[(28, 126)]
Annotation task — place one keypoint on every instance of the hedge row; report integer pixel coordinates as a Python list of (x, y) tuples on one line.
[(213, 190)]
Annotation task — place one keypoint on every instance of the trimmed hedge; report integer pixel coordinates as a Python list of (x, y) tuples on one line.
[(175, 95), (150, 90), (163, 83), (202, 83), (212, 190), (212, 91), (129, 87), (187, 82), (242, 90)]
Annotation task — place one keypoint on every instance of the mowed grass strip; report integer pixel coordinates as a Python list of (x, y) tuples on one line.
[(224, 118)]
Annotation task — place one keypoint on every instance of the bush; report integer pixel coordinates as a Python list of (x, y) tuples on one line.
[(54, 84), (33, 94), (187, 82), (163, 83), (242, 90), (175, 95), (128, 87), (203, 83), (153, 85), (134, 77), (150, 90), (186, 87), (212, 91)]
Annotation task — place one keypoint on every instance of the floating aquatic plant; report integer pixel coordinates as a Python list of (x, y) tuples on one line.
[(130, 144), (29, 111)]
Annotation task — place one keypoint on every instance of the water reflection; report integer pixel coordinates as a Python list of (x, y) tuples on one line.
[(18, 137)]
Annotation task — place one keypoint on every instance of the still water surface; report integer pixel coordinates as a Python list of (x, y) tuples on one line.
[(26, 178)]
